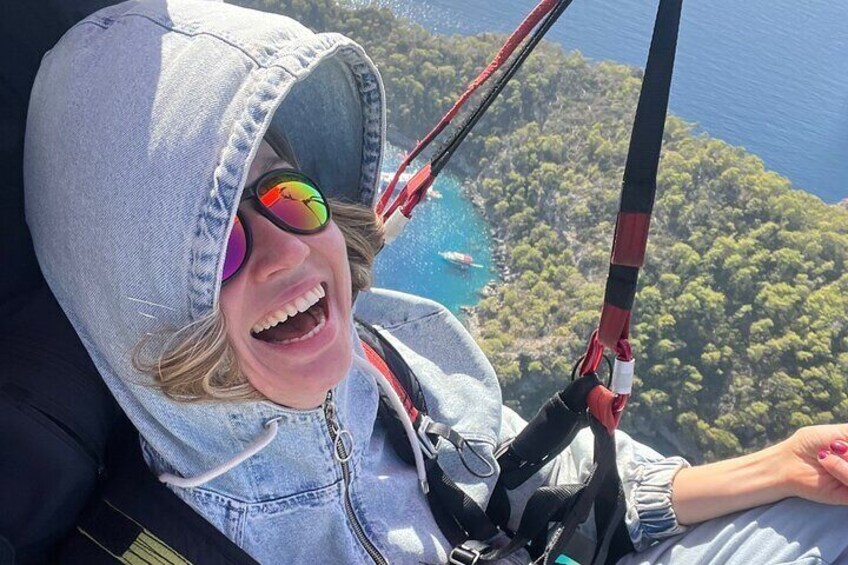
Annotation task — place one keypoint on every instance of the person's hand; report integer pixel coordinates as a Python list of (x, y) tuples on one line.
[(816, 466)]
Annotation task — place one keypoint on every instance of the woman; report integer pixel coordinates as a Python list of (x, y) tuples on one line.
[(163, 141)]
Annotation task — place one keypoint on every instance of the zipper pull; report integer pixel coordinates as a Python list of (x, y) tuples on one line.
[(330, 414), (342, 439)]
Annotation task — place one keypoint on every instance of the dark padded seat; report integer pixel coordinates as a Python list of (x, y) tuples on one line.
[(56, 418), (56, 415)]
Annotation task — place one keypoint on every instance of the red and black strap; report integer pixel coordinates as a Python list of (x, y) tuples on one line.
[(542, 18), (634, 217)]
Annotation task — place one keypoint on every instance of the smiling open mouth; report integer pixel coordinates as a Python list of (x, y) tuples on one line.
[(297, 321)]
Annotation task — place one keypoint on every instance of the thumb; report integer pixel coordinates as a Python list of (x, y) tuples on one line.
[(835, 465)]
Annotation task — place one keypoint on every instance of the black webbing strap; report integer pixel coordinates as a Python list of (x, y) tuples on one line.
[(610, 507), (643, 155), (468, 515), (639, 184), (401, 373), (569, 506), (137, 519), (546, 505), (458, 516), (547, 434), (596, 483)]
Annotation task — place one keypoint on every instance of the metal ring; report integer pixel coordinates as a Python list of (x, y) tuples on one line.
[(340, 446)]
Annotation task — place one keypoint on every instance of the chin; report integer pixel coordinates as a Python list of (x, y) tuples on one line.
[(303, 385)]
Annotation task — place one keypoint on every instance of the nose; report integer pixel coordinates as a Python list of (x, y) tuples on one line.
[(274, 250)]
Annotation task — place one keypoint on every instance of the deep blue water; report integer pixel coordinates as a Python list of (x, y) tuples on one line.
[(412, 264), (769, 75)]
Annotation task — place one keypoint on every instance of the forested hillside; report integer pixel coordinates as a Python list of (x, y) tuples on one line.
[(741, 327)]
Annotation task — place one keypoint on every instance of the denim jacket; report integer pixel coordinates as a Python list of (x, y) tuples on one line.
[(142, 123), (313, 508)]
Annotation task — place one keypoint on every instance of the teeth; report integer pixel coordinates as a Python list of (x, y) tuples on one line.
[(318, 327), (300, 304)]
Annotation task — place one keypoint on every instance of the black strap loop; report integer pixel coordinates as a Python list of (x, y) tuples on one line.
[(548, 433), (463, 448), (466, 513)]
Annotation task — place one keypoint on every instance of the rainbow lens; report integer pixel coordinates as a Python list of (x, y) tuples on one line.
[(236, 250), (295, 201)]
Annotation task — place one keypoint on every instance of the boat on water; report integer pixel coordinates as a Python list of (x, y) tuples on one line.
[(459, 259), (434, 194)]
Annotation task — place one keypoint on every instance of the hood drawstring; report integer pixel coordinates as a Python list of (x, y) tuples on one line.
[(397, 404), (258, 445), (270, 433)]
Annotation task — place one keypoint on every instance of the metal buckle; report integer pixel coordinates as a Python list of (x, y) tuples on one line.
[(462, 555), (427, 446)]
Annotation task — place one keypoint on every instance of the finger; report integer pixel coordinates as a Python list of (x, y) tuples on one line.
[(839, 447), (834, 464)]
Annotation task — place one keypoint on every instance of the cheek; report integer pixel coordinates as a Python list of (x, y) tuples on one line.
[(231, 304), (336, 251), (228, 301)]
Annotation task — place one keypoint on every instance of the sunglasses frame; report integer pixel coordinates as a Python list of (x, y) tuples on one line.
[(249, 195)]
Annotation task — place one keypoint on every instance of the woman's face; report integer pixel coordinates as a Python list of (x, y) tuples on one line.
[(299, 360)]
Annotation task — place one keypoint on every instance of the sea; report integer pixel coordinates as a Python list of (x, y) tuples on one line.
[(412, 262), (767, 75)]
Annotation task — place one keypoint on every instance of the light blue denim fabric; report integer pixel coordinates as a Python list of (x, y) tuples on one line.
[(793, 531), (142, 123)]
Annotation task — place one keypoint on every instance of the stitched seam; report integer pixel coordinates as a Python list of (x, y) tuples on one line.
[(187, 33), (205, 494), (99, 24), (413, 320)]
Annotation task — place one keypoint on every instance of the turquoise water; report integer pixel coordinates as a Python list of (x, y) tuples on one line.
[(412, 264), (770, 76)]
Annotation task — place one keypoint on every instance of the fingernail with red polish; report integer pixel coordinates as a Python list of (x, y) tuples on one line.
[(823, 453), (839, 447)]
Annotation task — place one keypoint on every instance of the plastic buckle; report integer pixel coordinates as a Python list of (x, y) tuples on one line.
[(463, 555), (427, 446)]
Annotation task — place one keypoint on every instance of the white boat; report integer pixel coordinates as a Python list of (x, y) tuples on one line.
[(434, 194), (459, 259)]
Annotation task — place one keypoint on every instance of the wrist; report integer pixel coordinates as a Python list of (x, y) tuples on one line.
[(778, 456), (717, 489), (777, 484)]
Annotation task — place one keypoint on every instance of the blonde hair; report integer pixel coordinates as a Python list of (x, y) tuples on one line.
[(197, 362)]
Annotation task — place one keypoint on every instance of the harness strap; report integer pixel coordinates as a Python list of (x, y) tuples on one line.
[(547, 12), (547, 434), (634, 217), (136, 519), (375, 359), (546, 505), (639, 185), (603, 476), (457, 514), (610, 508), (468, 515)]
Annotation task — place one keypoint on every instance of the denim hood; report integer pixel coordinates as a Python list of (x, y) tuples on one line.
[(142, 124)]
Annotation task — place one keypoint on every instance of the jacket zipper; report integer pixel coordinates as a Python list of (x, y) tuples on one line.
[(342, 456)]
